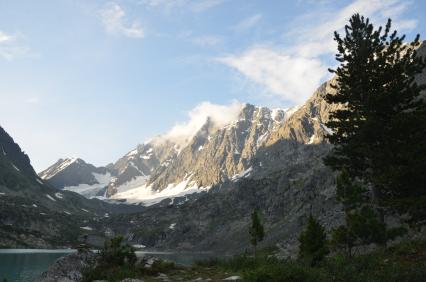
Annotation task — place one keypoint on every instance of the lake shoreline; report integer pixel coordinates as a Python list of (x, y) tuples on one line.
[(19, 266)]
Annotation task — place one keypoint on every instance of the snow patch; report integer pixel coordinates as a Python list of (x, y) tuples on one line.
[(138, 246), (68, 213), (328, 130), (262, 138), (138, 181), (245, 173), (132, 153), (312, 139), (87, 228), (50, 197), (90, 191), (53, 170), (147, 196), (172, 226), (14, 166), (39, 181), (59, 195)]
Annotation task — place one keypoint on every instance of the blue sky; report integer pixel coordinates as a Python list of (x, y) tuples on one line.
[(94, 78)]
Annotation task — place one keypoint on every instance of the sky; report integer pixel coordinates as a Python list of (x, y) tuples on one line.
[(92, 79)]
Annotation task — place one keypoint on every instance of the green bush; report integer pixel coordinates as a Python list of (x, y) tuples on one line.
[(117, 253)]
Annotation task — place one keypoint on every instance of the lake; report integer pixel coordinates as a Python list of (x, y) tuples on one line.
[(24, 265)]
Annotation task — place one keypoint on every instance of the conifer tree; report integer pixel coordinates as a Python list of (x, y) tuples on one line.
[(363, 224), (380, 130), (313, 242), (256, 230)]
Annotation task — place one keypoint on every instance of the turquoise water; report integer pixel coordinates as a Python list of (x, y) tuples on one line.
[(26, 265)]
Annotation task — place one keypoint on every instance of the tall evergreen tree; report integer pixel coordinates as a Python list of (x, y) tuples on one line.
[(256, 230), (313, 242), (363, 223), (380, 132)]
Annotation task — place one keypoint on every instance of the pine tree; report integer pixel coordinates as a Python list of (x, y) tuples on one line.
[(363, 224), (313, 242), (380, 131), (256, 230)]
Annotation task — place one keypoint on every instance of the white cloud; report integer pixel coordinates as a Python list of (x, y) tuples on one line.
[(248, 23), (203, 5), (208, 40), (295, 72), (220, 115), (197, 6), (4, 37), (290, 77), (114, 22), (11, 48)]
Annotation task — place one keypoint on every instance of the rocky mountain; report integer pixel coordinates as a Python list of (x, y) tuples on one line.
[(213, 155), (226, 152), (134, 169), (284, 178), (162, 168), (35, 214), (74, 174), (199, 196)]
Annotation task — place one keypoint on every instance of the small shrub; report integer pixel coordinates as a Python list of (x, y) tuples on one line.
[(117, 253)]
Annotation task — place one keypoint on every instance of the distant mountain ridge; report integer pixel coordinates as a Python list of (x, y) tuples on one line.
[(76, 175), (270, 160), (33, 213), (162, 168)]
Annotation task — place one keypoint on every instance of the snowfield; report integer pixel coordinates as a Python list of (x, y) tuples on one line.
[(90, 191), (145, 195)]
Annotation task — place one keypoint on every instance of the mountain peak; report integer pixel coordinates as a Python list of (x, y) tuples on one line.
[(59, 166)]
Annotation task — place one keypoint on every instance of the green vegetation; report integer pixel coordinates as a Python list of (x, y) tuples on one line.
[(379, 132), (256, 230), (116, 261), (404, 262), (313, 242)]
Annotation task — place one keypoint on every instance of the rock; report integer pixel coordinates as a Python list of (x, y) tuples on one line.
[(232, 278), (163, 277), (69, 268)]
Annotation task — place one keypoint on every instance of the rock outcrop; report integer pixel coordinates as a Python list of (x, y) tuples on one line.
[(69, 268)]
